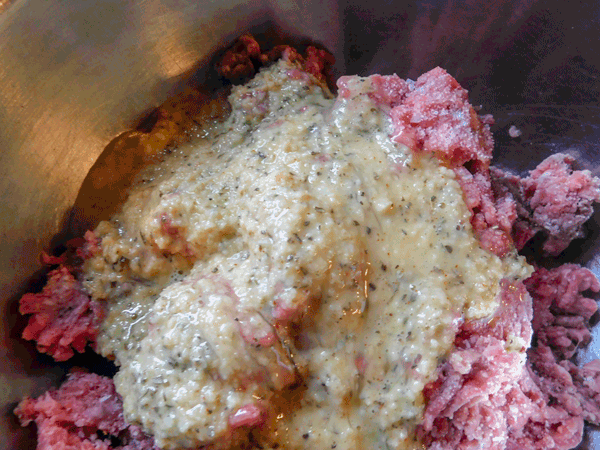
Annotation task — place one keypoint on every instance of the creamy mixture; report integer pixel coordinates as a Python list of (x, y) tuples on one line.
[(290, 273)]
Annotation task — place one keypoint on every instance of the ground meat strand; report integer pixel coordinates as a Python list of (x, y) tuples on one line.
[(86, 413), (245, 57), (436, 116), (485, 396), (469, 405), (63, 318), (492, 219), (239, 61), (90, 246), (554, 200), (562, 326)]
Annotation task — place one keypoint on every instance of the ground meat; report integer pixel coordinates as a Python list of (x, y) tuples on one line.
[(74, 252), (239, 61), (473, 403), (86, 413), (562, 326), (562, 313), (63, 318), (90, 246), (315, 61), (554, 199), (492, 219), (433, 114), (487, 397), (245, 57), (543, 426)]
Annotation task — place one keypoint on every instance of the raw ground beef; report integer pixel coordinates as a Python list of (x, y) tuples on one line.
[(245, 57), (86, 413), (432, 114), (476, 398), (554, 200), (561, 323), (63, 318), (486, 395)]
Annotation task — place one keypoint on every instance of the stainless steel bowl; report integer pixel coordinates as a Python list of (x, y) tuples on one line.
[(73, 75)]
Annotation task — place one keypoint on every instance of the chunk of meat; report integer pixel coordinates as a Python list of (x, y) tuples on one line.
[(492, 218), (251, 415), (433, 115), (90, 245), (238, 62), (245, 57), (487, 395), (77, 249), (561, 323), (562, 312), (85, 413), (64, 319), (436, 116), (473, 403), (545, 425), (315, 61), (554, 200)]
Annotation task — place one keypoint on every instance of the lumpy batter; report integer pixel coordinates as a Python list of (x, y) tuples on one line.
[(290, 274)]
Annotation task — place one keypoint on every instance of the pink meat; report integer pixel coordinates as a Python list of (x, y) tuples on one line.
[(562, 312), (84, 414), (77, 249), (51, 260), (433, 115), (90, 245), (485, 397), (492, 219), (63, 318), (252, 415), (245, 57), (554, 199), (316, 62), (561, 324), (473, 403)]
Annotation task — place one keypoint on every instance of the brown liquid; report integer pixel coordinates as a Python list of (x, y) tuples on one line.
[(107, 184)]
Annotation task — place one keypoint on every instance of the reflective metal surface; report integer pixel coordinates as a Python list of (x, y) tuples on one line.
[(73, 75)]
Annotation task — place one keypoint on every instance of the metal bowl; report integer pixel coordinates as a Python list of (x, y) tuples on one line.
[(73, 75)]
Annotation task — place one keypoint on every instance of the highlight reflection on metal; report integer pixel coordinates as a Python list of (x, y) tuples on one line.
[(73, 75)]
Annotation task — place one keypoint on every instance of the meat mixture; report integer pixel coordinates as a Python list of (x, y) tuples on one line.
[(326, 272)]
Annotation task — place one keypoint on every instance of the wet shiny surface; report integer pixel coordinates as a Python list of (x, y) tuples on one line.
[(73, 75)]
